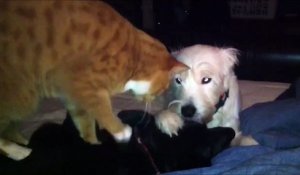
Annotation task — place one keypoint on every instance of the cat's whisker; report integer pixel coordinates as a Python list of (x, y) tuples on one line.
[(149, 106), (174, 102), (145, 109), (144, 114)]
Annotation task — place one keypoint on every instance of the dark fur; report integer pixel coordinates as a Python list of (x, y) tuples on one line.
[(59, 150)]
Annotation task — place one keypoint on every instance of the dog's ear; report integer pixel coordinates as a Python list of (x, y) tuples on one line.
[(230, 58)]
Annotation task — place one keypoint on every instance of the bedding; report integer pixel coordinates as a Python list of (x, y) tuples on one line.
[(251, 160), (275, 125), (236, 160), (57, 149)]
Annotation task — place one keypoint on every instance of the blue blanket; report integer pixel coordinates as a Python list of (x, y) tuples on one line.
[(276, 126), (251, 160)]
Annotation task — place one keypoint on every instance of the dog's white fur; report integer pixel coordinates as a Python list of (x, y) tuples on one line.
[(206, 63)]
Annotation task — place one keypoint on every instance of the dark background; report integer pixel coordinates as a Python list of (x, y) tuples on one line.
[(270, 48)]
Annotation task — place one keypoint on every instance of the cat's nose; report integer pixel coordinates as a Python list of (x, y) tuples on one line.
[(188, 110)]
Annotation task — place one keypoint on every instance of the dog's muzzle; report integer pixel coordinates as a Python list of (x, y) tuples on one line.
[(188, 110)]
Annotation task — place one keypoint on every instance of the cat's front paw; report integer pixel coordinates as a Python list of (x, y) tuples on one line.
[(169, 122), (124, 135), (17, 152)]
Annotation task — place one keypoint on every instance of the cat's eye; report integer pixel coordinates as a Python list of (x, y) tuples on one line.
[(206, 80), (178, 80)]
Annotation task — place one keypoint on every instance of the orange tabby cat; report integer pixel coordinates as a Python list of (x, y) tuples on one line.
[(81, 52)]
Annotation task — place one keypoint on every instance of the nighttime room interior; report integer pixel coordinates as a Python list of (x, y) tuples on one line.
[(267, 35)]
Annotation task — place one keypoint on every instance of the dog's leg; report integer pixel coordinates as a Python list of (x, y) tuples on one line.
[(247, 141), (241, 140), (13, 150), (168, 122)]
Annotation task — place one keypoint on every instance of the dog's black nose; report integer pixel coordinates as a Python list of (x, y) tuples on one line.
[(188, 110)]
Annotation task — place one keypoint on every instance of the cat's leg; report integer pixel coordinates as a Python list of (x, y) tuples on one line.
[(18, 100), (13, 150), (8, 130), (105, 118), (15, 105), (85, 125), (9, 148), (98, 107), (12, 133)]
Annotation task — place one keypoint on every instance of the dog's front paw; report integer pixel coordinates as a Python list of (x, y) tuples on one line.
[(169, 122)]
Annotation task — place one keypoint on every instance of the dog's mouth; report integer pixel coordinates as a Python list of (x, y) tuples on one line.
[(195, 118)]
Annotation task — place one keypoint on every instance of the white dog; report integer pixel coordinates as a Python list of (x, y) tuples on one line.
[(208, 92)]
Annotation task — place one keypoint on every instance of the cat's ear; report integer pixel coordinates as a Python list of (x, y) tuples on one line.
[(177, 67)]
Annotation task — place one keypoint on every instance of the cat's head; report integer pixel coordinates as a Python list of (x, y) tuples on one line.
[(152, 80), (161, 78), (154, 69)]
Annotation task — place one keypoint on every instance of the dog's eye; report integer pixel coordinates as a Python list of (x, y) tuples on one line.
[(205, 80), (178, 80)]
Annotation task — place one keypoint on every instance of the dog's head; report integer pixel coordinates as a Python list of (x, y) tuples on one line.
[(200, 90)]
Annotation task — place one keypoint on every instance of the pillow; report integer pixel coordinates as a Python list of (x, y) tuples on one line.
[(275, 124)]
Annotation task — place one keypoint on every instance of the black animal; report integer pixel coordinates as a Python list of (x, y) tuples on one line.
[(58, 150)]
